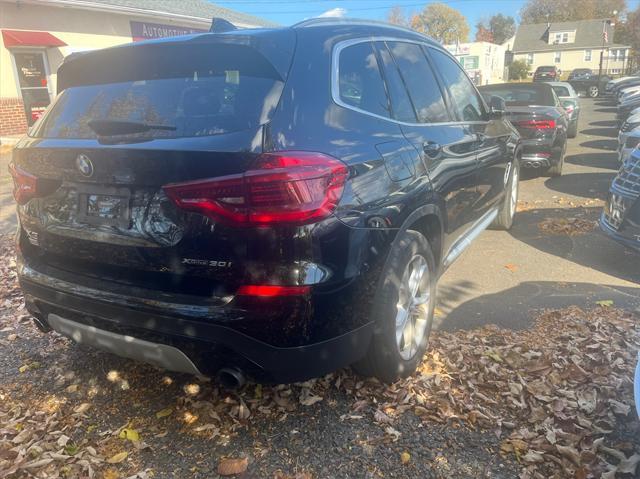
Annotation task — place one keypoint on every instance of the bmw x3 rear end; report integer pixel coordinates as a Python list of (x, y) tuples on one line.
[(218, 202)]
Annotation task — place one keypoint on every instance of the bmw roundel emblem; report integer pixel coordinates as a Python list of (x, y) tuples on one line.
[(84, 165)]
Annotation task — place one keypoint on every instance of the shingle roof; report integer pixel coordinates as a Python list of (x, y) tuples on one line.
[(534, 37), (192, 8)]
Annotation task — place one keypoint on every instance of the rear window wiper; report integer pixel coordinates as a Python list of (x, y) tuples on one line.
[(124, 127)]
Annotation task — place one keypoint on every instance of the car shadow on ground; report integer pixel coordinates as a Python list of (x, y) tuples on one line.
[(609, 132), (605, 123), (516, 308), (585, 185), (602, 160), (610, 145), (607, 110), (574, 235)]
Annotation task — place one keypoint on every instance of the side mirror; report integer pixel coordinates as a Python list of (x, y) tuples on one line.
[(497, 107)]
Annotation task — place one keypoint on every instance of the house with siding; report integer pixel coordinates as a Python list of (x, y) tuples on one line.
[(570, 45)]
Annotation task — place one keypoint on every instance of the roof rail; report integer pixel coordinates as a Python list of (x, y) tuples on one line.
[(352, 21), (220, 25)]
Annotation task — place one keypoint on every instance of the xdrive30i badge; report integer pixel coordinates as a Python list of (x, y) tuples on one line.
[(84, 165)]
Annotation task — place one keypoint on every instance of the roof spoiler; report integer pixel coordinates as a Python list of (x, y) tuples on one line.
[(219, 25)]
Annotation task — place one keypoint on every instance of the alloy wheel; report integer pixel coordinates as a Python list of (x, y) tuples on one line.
[(413, 307), (513, 201)]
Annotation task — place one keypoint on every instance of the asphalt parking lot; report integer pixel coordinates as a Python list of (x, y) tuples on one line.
[(67, 410), (505, 276)]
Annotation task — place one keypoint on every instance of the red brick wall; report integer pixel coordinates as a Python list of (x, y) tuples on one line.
[(12, 118)]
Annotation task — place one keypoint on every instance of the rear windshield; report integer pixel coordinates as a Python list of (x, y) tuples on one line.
[(197, 90), (521, 94), (561, 90), (546, 69)]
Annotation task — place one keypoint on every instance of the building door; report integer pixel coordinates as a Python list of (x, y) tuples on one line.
[(31, 67)]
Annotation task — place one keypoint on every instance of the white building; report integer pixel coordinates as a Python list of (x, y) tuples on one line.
[(483, 61)]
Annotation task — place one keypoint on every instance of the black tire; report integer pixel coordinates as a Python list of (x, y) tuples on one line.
[(593, 91), (507, 211), (383, 359), (556, 170), (572, 132)]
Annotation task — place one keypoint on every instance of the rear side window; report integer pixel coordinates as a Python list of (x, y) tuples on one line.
[(420, 81), (359, 80), (401, 105), (194, 91), (460, 87), (561, 90)]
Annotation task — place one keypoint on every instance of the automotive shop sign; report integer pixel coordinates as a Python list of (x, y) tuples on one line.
[(146, 31)]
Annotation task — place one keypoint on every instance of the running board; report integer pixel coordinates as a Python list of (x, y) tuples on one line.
[(470, 235)]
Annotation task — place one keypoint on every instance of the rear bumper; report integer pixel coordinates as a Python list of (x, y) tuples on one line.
[(539, 153), (620, 219), (161, 336), (631, 242)]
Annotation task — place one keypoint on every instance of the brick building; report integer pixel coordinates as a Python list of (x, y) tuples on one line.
[(36, 36)]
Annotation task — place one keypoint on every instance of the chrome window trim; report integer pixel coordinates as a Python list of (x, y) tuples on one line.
[(335, 80)]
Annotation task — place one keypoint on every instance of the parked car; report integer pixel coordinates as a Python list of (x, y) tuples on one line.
[(536, 112), (612, 85), (585, 81), (620, 218), (546, 73), (570, 102), (274, 202), (628, 137), (626, 107), (581, 74)]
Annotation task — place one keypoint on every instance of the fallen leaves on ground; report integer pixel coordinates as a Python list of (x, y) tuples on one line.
[(567, 226), (555, 397), (231, 467)]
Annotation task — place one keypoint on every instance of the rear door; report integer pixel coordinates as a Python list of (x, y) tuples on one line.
[(445, 148), (492, 135)]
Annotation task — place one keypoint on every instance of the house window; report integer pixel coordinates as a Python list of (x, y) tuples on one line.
[(529, 58), (587, 55), (561, 37), (557, 56)]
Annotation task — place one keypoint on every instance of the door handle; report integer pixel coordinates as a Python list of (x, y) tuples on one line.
[(431, 149)]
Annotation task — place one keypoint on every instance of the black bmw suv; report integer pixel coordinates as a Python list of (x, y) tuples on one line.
[(273, 202)]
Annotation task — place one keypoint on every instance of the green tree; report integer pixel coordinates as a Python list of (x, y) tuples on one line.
[(541, 11), (397, 16), (441, 22), (502, 27), (518, 70)]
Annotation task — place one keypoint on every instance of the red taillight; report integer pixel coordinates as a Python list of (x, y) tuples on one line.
[(25, 185), (538, 124), (271, 291), (284, 187)]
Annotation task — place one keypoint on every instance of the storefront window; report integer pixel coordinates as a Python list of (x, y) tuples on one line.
[(32, 77)]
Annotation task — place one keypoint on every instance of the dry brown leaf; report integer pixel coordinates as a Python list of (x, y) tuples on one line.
[(231, 466)]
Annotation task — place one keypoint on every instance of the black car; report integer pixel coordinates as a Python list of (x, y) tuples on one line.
[(272, 202), (620, 218), (535, 110), (546, 73), (580, 74)]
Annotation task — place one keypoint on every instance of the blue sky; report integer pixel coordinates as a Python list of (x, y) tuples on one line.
[(287, 12)]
